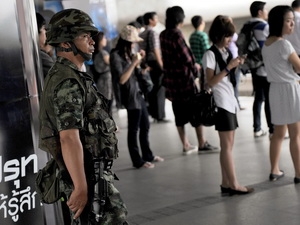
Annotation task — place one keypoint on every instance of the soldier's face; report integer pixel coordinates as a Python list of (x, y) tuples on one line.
[(85, 43)]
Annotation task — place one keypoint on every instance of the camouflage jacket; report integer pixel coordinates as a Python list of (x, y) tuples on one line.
[(70, 100)]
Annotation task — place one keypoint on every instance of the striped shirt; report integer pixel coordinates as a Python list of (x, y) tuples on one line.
[(151, 42), (199, 44)]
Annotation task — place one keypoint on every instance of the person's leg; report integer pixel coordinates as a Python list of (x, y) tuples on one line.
[(200, 136), (226, 159), (157, 95), (258, 100), (134, 117), (294, 131), (182, 135), (266, 88), (152, 103), (181, 118), (144, 125), (161, 99), (229, 178), (275, 148)]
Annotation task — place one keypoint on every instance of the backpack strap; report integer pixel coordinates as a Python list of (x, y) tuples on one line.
[(222, 64), (253, 25)]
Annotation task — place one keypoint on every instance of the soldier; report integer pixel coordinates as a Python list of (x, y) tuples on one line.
[(75, 126)]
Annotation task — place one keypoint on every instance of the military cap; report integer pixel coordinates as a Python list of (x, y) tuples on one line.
[(67, 24)]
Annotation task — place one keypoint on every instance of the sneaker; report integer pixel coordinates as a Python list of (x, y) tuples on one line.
[(260, 133), (270, 136), (207, 147), (189, 150), (158, 159), (148, 165)]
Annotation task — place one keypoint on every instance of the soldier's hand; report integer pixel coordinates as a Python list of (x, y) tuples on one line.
[(77, 201)]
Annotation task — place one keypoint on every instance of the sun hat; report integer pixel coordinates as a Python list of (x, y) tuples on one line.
[(130, 33)]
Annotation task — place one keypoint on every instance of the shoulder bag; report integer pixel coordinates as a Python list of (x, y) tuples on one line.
[(205, 108)]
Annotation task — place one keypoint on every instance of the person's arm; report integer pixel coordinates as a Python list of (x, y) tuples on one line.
[(106, 57), (68, 100), (128, 72), (187, 56), (295, 61), (72, 152), (211, 78), (157, 51)]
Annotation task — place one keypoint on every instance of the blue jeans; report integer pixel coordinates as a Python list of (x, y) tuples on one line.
[(261, 94), (138, 121)]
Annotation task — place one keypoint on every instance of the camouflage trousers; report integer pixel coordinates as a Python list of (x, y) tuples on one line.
[(115, 211)]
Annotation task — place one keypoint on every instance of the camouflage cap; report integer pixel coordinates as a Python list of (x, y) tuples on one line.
[(67, 24)]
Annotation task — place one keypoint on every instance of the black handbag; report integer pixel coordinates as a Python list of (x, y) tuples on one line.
[(205, 108)]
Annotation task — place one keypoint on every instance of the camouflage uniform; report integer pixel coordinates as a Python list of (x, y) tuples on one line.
[(70, 100)]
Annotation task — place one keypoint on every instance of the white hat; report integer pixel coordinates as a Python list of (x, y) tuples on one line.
[(130, 33)]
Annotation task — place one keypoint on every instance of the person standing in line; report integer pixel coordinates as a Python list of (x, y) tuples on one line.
[(126, 66), (151, 46), (259, 76), (75, 125), (198, 40), (101, 68), (282, 64), (140, 20), (219, 66), (180, 72), (44, 49), (234, 50), (294, 37)]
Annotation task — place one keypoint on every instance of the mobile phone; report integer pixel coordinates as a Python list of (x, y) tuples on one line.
[(244, 56)]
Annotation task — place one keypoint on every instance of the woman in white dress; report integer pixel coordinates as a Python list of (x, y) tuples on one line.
[(282, 65)]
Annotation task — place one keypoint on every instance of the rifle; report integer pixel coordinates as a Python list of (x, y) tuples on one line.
[(100, 190)]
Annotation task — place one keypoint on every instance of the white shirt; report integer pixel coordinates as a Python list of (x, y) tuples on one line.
[(294, 37), (223, 91), (279, 69)]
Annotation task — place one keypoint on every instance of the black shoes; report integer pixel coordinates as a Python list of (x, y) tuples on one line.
[(230, 192), (296, 180), (274, 177), (224, 190), (238, 192), (207, 147)]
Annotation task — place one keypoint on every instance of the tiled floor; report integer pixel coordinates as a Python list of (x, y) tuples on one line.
[(184, 190)]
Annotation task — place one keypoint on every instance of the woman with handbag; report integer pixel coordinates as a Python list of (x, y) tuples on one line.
[(126, 67), (180, 72), (219, 72)]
